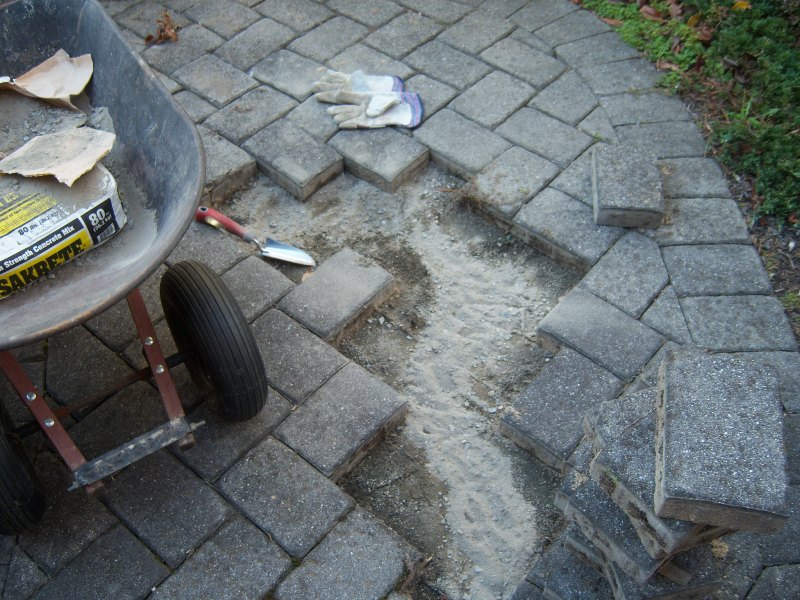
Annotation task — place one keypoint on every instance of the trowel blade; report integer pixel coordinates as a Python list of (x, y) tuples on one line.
[(286, 253)]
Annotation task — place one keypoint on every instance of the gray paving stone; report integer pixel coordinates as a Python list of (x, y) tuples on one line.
[(445, 134), (295, 160), (738, 323), (666, 316), (578, 472), (238, 562), (311, 115), (221, 443), (300, 15), (597, 125), (199, 238), (503, 8), (384, 157), (347, 416), (433, 94), (546, 418), (228, 169), (563, 228), (369, 61), (360, 559), (141, 18), (702, 221), (776, 582), (576, 179), (630, 275), (403, 34), (256, 285), (532, 40), (297, 361), (742, 564), (706, 457), (524, 62), (476, 32), (447, 64), (716, 270), (114, 7), (71, 521), (255, 110), (166, 506), (215, 80), (599, 331), (623, 434), (490, 101), (626, 188), (223, 17), (693, 178), (117, 565), (329, 39), (605, 525), (78, 365), (781, 547), (345, 287), (288, 72), (568, 98), (441, 11), (648, 376), (115, 326), (562, 576), (620, 77), (169, 84), (787, 365), (372, 13), (255, 43), (302, 504), (23, 576), (596, 50), (527, 591), (197, 108), (509, 181), (677, 139), (544, 135), (539, 13), (574, 26), (195, 42), (650, 107)]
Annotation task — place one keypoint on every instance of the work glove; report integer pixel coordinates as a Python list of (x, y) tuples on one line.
[(406, 112), (376, 103), (334, 81)]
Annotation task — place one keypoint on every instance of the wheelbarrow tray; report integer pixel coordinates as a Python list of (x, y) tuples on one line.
[(158, 162)]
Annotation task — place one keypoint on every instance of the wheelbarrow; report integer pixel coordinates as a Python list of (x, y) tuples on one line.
[(160, 180)]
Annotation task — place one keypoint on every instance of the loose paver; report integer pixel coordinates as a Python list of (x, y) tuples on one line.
[(547, 416), (707, 468), (787, 365), (626, 188), (344, 287), (345, 414), (285, 496)]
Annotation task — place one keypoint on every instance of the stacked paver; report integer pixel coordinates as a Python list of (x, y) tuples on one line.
[(663, 471)]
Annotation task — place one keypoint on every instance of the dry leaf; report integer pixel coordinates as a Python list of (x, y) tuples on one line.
[(677, 45), (663, 65), (166, 30), (705, 33), (650, 13), (675, 10), (612, 22), (741, 5), (694, 19)]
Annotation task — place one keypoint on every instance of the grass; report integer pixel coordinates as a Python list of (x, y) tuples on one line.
[(739, 61)]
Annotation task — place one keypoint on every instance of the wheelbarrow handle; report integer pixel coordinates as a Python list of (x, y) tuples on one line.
[(207, 215)]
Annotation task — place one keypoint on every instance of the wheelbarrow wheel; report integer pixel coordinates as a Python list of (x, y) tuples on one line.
[(22, 497), (208, 325)]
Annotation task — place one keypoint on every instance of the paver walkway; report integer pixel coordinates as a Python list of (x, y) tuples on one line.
[(516, 94)]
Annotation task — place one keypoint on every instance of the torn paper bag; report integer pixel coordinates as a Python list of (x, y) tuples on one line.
[(55, 80)]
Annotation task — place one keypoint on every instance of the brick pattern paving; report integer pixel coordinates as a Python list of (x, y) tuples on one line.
[(533, 86)]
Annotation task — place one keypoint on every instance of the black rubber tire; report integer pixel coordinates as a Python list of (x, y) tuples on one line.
[(22, 496), (208, 325)]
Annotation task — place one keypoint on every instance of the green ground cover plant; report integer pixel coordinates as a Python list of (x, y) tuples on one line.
[(739, 63)]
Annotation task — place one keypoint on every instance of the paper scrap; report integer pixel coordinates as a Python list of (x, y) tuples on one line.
[(66, 154), (55, 80)]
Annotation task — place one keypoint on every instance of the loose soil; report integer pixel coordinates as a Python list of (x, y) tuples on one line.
[(456, 342)]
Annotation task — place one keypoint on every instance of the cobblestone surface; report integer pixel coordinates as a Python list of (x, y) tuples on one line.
[(516, 94)]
